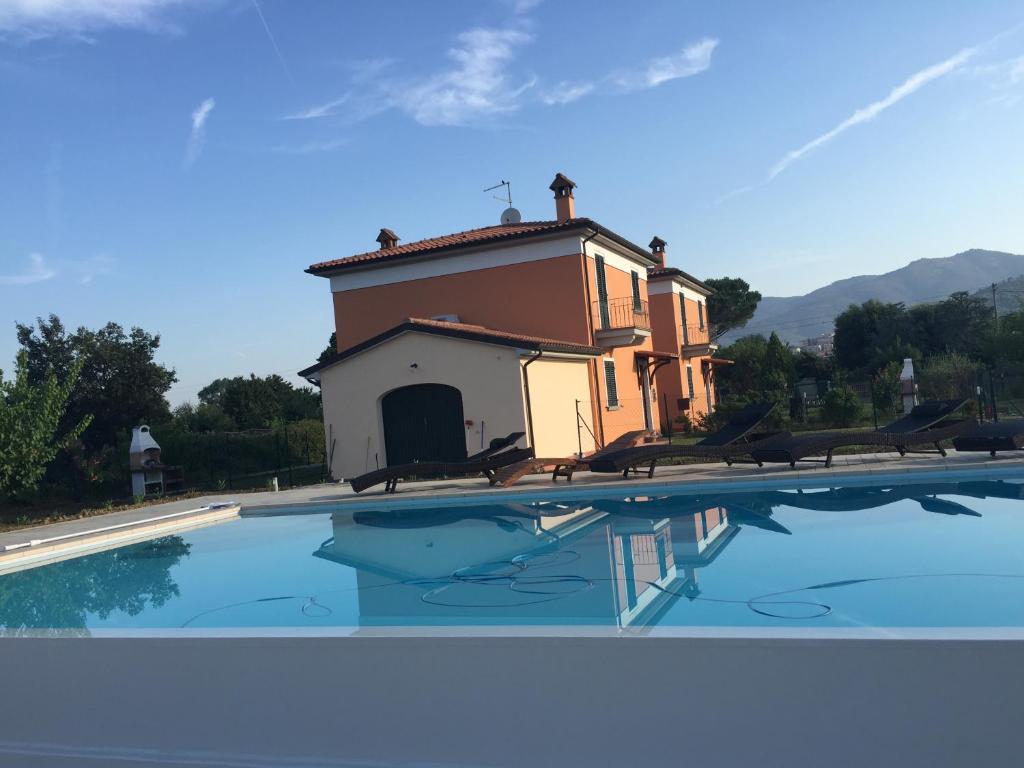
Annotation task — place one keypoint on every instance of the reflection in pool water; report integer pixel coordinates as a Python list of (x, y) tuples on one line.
[(936, 554)]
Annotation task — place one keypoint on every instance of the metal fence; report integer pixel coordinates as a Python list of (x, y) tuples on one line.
[(294, 453)]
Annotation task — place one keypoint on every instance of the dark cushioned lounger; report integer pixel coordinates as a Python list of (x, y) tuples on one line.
[(925, 425), (993, 436), (565, 466), (730, 440), (500, 453)]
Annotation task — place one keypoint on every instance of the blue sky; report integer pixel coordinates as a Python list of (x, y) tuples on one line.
[(177, 164)]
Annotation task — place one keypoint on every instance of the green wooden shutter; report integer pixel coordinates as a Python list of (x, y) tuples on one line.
[(637, 306), (682, 314), (609, 380), (689, 379), (602, 291), (700, 314)]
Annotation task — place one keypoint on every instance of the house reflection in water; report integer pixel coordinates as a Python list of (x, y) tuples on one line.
[(618, 563)]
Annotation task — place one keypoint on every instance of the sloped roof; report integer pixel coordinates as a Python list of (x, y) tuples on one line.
[(497, 233), (664, 272), (464, 331)]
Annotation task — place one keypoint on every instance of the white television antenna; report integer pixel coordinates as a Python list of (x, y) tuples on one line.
[(510, 215)]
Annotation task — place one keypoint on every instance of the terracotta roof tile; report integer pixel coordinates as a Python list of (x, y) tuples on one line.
[(469, 238)]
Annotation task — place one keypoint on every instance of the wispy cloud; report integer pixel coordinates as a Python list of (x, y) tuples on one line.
[(37, 271), (479, 83), (691, 60), (320, 110), (566, 92), (912, 84), (476, 86), (45, 18), (197, 138), (863, 115)]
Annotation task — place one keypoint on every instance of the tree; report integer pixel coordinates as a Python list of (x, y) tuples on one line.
[(779, 367), (255, 403), (863, 329), (762, 369), (946, 377), (331, 350), (204, 417), (30, 433), (731, 305), (120, 384)]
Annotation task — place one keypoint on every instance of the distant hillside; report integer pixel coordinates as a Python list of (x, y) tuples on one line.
[(798, 317), (1009, 294)]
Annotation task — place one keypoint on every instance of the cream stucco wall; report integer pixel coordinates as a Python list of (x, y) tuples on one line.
[(487, 375), (555, 386)]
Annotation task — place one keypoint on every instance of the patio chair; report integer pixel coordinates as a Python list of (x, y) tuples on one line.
[(925, 425), (992, 437), (564, 466), (500, 453), (733, 439)]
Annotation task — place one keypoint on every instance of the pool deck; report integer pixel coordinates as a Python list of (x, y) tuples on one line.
[(688, 477)]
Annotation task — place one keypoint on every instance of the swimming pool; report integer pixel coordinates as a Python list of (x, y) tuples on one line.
[(900, 554)]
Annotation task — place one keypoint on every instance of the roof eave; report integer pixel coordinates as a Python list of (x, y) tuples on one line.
[(581, 350), (573, 225)]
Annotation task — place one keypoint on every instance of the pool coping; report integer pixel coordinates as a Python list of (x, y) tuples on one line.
[(36, 551), (564, 632)]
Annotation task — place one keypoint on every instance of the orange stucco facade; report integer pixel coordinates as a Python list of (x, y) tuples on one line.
[(551, 297), (688, 337), (540, 298)]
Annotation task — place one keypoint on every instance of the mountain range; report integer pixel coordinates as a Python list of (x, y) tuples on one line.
[(796, 318)]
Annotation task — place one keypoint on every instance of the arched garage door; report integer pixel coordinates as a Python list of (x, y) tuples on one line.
[(423, 422)]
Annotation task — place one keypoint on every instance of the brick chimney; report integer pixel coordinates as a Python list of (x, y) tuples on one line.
[(565, 205), (387, 239), (657, 246)]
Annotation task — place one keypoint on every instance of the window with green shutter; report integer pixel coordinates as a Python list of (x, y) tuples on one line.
[(682, 315), (700, 314), (637, 306), (612, 387), (689, 380), (602, 291)]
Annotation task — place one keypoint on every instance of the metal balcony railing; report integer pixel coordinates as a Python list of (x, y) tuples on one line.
[(621, 313), (695, 335)]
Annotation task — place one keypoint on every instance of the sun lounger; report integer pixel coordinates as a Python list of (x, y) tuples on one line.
[(500, 453), (992, 437), (564, 466), (925, 425), (731, 440)]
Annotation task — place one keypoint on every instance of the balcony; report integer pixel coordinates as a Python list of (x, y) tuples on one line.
[(621, 322), (697, 341)]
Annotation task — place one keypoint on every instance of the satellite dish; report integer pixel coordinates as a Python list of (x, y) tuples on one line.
[(511, 216)]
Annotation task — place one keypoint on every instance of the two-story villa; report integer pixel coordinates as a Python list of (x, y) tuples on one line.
[(679, 316), (539, 327)]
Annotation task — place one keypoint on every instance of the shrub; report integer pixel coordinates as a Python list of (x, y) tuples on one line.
[(842, 406)]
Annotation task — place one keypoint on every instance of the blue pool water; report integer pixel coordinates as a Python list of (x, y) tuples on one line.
[(935, 554)]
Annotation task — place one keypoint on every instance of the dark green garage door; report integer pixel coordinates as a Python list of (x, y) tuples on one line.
[(423, 422)]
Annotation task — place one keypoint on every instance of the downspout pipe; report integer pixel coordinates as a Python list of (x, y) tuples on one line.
[(526, 390), (590, 324)]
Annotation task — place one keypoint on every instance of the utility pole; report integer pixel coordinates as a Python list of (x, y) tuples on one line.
[(995, 309)]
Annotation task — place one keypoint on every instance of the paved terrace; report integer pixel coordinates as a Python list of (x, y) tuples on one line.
[(693, 476)]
